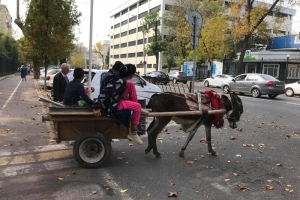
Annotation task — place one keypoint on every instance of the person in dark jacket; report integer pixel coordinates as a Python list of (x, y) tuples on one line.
[(60, 83), (23, 71), (75, 94), (114, 70)]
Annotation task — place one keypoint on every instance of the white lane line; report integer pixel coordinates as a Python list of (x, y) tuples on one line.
[(114, 185), (298, 104), (8, 100)]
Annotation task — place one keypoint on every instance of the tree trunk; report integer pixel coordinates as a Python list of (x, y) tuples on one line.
[(36, 69), (240, 63)]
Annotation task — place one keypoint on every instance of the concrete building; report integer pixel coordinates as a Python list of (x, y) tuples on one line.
[(127, 41), (5, 20)]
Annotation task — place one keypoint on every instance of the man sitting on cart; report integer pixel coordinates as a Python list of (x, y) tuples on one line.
[(75, 94), (117, 95)]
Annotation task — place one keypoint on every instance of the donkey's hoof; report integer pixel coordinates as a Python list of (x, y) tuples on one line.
[(147, 151), (181, 154), (213, 153)]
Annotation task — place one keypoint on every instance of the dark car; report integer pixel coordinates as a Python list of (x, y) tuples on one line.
[(156, 77), (255, 84), (176, 76)]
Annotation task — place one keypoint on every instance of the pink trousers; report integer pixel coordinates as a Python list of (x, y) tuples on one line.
[(130, 102)]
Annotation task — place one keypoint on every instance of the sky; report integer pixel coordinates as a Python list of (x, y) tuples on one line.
[(101, 18)]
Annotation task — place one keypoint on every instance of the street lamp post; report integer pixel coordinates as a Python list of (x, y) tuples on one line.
[(287, 65)]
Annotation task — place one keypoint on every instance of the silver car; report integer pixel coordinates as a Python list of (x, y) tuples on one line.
[(255, 84), (176, 76)]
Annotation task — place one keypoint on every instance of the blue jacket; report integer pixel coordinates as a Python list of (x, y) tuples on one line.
[(74, 91)]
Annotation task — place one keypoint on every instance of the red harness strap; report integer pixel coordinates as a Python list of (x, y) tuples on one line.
[(216, 103)]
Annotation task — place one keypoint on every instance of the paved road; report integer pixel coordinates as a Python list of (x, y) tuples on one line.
[(265, 152)]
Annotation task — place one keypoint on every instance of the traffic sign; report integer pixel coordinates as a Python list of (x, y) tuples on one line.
[(195, 20)]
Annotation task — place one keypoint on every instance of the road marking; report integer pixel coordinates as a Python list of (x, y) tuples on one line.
[(35, 157), (10, 97), (294, 104)]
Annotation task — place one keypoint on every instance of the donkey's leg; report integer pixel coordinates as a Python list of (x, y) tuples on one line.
[(190, 137), (208, 140), (150, 135), (159, 125)]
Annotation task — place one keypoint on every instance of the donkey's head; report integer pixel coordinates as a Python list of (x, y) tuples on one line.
[(234, 109)]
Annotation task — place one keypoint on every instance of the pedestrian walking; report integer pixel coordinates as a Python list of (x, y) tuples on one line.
[(60, 83), (23, 71)]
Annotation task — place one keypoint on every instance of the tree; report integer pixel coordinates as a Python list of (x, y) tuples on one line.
[(97, 48), (77, 60), (157, 45), (107, 57), (9, 47), (48, 30), (247, 19)]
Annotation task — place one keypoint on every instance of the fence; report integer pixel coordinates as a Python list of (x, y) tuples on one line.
[(179, 88), (7, 66)]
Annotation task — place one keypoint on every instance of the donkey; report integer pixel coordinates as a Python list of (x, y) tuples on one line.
[(170, 102)]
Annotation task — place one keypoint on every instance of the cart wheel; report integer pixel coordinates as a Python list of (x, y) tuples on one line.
[(91, 149)]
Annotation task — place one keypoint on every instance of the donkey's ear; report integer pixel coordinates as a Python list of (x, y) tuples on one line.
[(233, 95)]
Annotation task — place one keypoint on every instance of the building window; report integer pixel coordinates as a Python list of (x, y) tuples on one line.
[(111, 47), (116, 36), (143, 2), (116, 46), (117, 25), (140, 28), (139, 66), (140, 41), (130, 55), (149, 65), (112, 27), (293, 71), (132, 31), (139, 54), (271, 69), (123, 33), (111, 56), (124, 11), (154, 66), (133, 7), (124, 22), (123, 55), (157, 8), (124, 45), (143, 14), (132, 43), (116, 56), (117, 15), (132, 19)]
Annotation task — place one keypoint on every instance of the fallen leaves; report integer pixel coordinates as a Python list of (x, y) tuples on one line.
[(173, 194), (227, 179), (5, 131), (23, 122), (123, 191), (239, 129), (94, 192), (119, 158), (233, 138), (40, 147), (242, 187), (61, 179), (235, 174), (287, 137), (238, 155), (190, 162), (261, 145), (278, 164), (268, 187), (73, 172), (203, 140), (248, 145)]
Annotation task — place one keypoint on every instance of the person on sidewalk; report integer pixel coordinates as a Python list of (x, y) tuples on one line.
[(114, 70), (60, 83), (75, 94), (23, 71), (119, 94)]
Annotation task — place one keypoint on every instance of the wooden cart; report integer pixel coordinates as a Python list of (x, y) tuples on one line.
[(92, 135)]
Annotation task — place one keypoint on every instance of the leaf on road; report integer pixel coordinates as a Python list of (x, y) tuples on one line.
[(235, 174), (248, 145), (119, 158), (195, 159), (33, 118), (239, 129), (172, 184), (148, 195), (289, 186), (5, 131), (190, 162), (25, 140), (263, 122), (23, 122), (123, 152), (261, 145), (40, 147), (73, 172), (123, 191), (130, 144), (227, 179), (296, 132), (278, 164), (287, 137), (94, 192), (173, 194), (268, 187), (203, 140), (233, 138), (241, 187), (202, 156), (165, 130), (61, 179), (270, 181), (238, 155)]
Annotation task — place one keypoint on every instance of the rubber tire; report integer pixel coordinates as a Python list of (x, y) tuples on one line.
[(206, 84), (184, 82), (241, 93), (272, 96), (291, 94), (174, 81), (227, 91), (257, 94), (87, 136)]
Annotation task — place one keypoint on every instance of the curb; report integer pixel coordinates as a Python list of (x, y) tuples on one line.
[(4, 77)]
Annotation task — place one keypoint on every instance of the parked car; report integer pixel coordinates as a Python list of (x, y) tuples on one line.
[(255, 84), (292, 89), (50, 76), (143, 88), (156, 77), (217, 80), (177, 76), (42, 69)]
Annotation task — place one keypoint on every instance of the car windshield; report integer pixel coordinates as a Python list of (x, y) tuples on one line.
[(268, 77), (159, 73)]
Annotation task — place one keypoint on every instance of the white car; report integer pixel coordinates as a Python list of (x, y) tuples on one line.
[(217, 80), (144, 89), (292, 89), (50, 76)]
